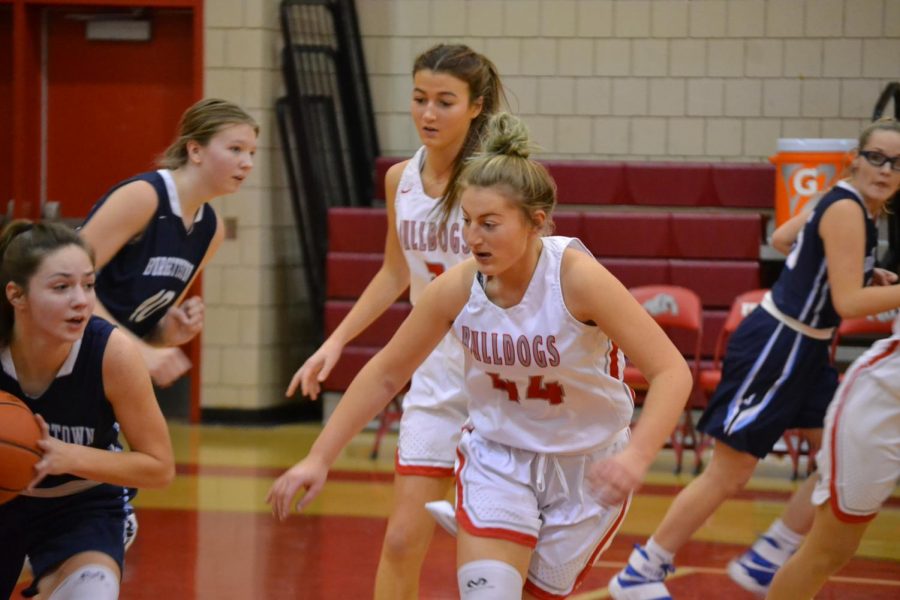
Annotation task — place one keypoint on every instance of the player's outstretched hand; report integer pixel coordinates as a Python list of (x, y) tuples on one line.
[(307, 474), (315, 370), (612, 479)]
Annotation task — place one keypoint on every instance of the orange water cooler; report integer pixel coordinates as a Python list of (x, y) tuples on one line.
[(805, 169)]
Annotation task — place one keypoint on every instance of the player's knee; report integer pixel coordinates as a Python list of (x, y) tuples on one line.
[(402, 541), (91, 582), (489, 580), (729, 479)]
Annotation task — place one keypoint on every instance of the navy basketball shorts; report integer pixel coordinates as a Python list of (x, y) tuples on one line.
[(773, 379), (51, 530)]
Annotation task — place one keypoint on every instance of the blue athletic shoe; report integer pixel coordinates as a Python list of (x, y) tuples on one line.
[(753, 571), (641, 579)]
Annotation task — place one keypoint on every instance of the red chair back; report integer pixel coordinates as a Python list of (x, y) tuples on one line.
[(742, 306), (875, 326), (675, 307), (671, 305)]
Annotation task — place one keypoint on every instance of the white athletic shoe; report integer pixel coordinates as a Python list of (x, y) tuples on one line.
[(444, 514), (754, 569), (641, 579)]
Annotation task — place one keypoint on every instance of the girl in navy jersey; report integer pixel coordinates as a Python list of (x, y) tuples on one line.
[(455, 90), (546, 463), (776, 373), (85, 381), (152, 234)]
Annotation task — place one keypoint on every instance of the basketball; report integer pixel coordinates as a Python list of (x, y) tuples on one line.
[(19, 434)]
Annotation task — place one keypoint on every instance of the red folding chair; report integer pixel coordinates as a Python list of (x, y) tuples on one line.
[(709, 379), (679, 312)]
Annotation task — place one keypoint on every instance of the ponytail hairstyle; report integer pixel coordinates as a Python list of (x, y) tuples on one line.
[(483, 79), (23, 247), (200, 123), (504, 163)]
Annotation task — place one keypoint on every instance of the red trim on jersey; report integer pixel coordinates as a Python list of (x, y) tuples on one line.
[(420, 470), (614, 370), (489, 532), (537, 592), (833, 500)]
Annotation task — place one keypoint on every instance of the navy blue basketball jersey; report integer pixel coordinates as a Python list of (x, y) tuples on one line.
[(802, 289), (151, 271), (75, 406)]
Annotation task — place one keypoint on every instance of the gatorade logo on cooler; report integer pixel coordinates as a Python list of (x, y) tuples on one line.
[(805, 169), (807, 182)]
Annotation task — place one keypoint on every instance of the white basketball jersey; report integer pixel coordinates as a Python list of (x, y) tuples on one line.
[(429, 248), (537, 378)]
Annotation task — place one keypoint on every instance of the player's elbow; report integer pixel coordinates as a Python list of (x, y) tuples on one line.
[(162, 474)]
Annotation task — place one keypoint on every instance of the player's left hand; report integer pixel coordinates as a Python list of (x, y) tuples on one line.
[(883, 277), (181, 323), (612, 479)]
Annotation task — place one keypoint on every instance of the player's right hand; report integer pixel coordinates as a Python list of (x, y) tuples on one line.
[(166, 365), (307, 474), (315, 370)]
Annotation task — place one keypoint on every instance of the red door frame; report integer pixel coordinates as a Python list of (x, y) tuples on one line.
[(25, 181)]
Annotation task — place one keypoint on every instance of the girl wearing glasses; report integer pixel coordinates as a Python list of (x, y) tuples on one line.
[(776, 373)]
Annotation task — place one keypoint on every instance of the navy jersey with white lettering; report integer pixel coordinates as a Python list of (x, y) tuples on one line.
[(802, 290), (150, 272), (75, 406)]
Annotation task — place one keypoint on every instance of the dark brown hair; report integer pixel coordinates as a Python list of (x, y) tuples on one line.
[(480, 74), (23, 247)]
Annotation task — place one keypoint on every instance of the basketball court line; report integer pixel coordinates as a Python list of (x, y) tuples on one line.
[(690, 570)]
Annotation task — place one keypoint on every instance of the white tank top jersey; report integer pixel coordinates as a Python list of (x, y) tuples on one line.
[(537, 378), (429, 249)]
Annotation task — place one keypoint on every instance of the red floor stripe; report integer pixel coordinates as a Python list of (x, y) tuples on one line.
[(387, 477)]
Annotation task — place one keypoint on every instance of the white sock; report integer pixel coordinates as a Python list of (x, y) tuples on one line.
[(787, 539), (658, 553)]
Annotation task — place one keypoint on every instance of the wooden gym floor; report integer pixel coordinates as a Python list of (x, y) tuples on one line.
[(210, 535)]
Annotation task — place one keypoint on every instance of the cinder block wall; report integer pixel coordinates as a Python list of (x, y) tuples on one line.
[(256, 302), (651, 79), (700, 80)]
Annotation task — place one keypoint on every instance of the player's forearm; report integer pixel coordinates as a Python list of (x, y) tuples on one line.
[(666, 397), (382, 291), (128, 469), (367, 395)]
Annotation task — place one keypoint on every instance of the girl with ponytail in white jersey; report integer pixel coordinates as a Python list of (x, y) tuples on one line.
[(546, 464), (455, 91)]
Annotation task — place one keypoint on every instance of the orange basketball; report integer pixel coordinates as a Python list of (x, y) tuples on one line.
[(19, 434)]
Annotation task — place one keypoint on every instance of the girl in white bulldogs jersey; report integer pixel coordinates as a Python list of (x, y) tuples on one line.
[(455, 91), (551, 404), (539, 379)]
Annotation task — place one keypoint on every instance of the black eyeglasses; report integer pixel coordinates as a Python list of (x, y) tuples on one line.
[(877, 159)]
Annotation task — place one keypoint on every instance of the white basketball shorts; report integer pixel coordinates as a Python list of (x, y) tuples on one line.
[(540, 501), (859, 462)]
